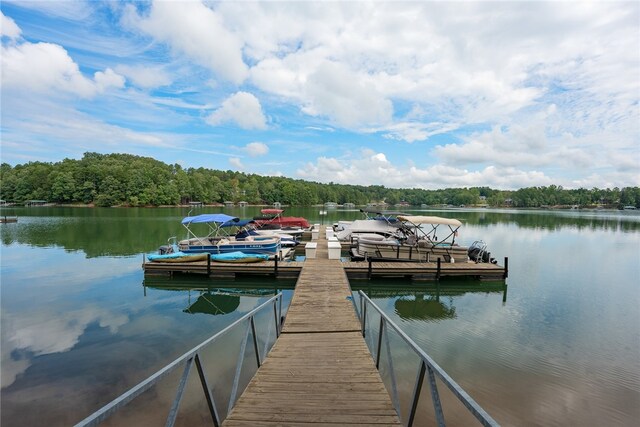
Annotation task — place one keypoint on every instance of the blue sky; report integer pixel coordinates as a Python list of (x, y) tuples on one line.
[(402, 94)]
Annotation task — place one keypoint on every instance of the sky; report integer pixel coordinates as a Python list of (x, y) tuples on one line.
[(402, 94)]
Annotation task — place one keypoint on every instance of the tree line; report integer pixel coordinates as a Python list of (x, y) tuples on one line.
[(128, 180)]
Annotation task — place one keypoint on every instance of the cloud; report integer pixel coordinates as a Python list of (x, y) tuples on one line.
[(46, 333), (145, 77), (536, 90), (197, 31), (47, 68), (8, 27), (70, 10), (243, 109), (415, 131), (256, 149), (375, 167), (345, 97), (235, 162)]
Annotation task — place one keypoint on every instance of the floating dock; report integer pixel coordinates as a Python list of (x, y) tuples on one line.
[(353, 269), (320, 370)]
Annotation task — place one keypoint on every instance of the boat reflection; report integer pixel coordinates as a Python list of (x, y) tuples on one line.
[(219, 297), (214, 304), (433, 301)]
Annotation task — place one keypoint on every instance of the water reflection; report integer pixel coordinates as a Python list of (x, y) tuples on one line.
[(111, 232), (427, 302), (214, 304)]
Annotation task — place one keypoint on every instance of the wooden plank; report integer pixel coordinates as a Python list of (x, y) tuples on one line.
[(320, 370)]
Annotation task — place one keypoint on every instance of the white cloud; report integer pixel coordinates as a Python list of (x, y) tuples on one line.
[(145, 77), (68, 9), (48, 68), (372, 167), (243, 109), (46, 333), (195, 30), (345, 97), (415, 131), (256, 149), (528, 90), (236, 163), (8, 27)]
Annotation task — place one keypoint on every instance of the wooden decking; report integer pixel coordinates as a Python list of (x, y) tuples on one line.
[(320, 370), (353, 269)]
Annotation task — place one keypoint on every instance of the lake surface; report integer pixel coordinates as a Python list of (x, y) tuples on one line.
[(560, 345)]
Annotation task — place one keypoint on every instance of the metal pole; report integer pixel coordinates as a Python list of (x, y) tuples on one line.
[(364, 320), (275, 315), (207, 393), (416, 393), (255, 341), (435, 397), (236, 378), (280, 313), (173, 412), (379, 343)]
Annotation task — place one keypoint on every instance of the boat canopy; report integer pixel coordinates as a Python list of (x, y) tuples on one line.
[(418, 219), (366, 226), (239, 223), (204, 218), (271, 211), (381, 212)]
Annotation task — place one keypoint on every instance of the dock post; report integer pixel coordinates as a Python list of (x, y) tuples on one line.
[(275, 266), (369, 271), (438, 270), (209, 265), (506, 267)]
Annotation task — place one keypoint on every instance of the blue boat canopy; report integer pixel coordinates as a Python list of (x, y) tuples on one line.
[(239, 223), (217, 218)]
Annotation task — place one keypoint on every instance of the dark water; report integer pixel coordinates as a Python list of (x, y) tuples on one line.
[(559, 346)]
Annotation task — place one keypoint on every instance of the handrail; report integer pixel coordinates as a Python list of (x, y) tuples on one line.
[(188, 358), (427, 366)]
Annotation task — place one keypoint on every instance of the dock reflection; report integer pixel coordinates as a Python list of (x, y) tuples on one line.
[(219, 297), (433, 301)]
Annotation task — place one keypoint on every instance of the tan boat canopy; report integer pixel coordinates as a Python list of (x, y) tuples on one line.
[(417, 219)]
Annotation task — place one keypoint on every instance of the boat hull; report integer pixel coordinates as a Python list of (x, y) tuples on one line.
[(239, 258), (264, 246), (176, 259)]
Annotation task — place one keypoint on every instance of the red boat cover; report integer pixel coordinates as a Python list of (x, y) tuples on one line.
[(285, 221)]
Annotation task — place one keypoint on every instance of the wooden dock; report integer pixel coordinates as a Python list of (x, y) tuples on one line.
[(320, 370), (353, 269)]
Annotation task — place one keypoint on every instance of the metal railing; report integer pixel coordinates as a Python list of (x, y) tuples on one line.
[(427, 367), (188, 359)]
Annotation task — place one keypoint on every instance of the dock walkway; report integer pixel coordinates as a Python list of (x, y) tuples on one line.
[(320, 370)]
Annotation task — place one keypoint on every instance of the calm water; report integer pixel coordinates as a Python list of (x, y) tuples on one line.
[(559, 346)]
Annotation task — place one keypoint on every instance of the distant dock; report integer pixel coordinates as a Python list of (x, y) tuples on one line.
[(4, 219)]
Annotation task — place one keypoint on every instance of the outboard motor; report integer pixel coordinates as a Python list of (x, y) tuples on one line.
[(478, 252)]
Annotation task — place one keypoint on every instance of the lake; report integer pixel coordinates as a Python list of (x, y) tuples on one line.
[(559, 345)]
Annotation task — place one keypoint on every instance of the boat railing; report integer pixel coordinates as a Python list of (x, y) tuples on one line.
[(193, 356), (427, 367)]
